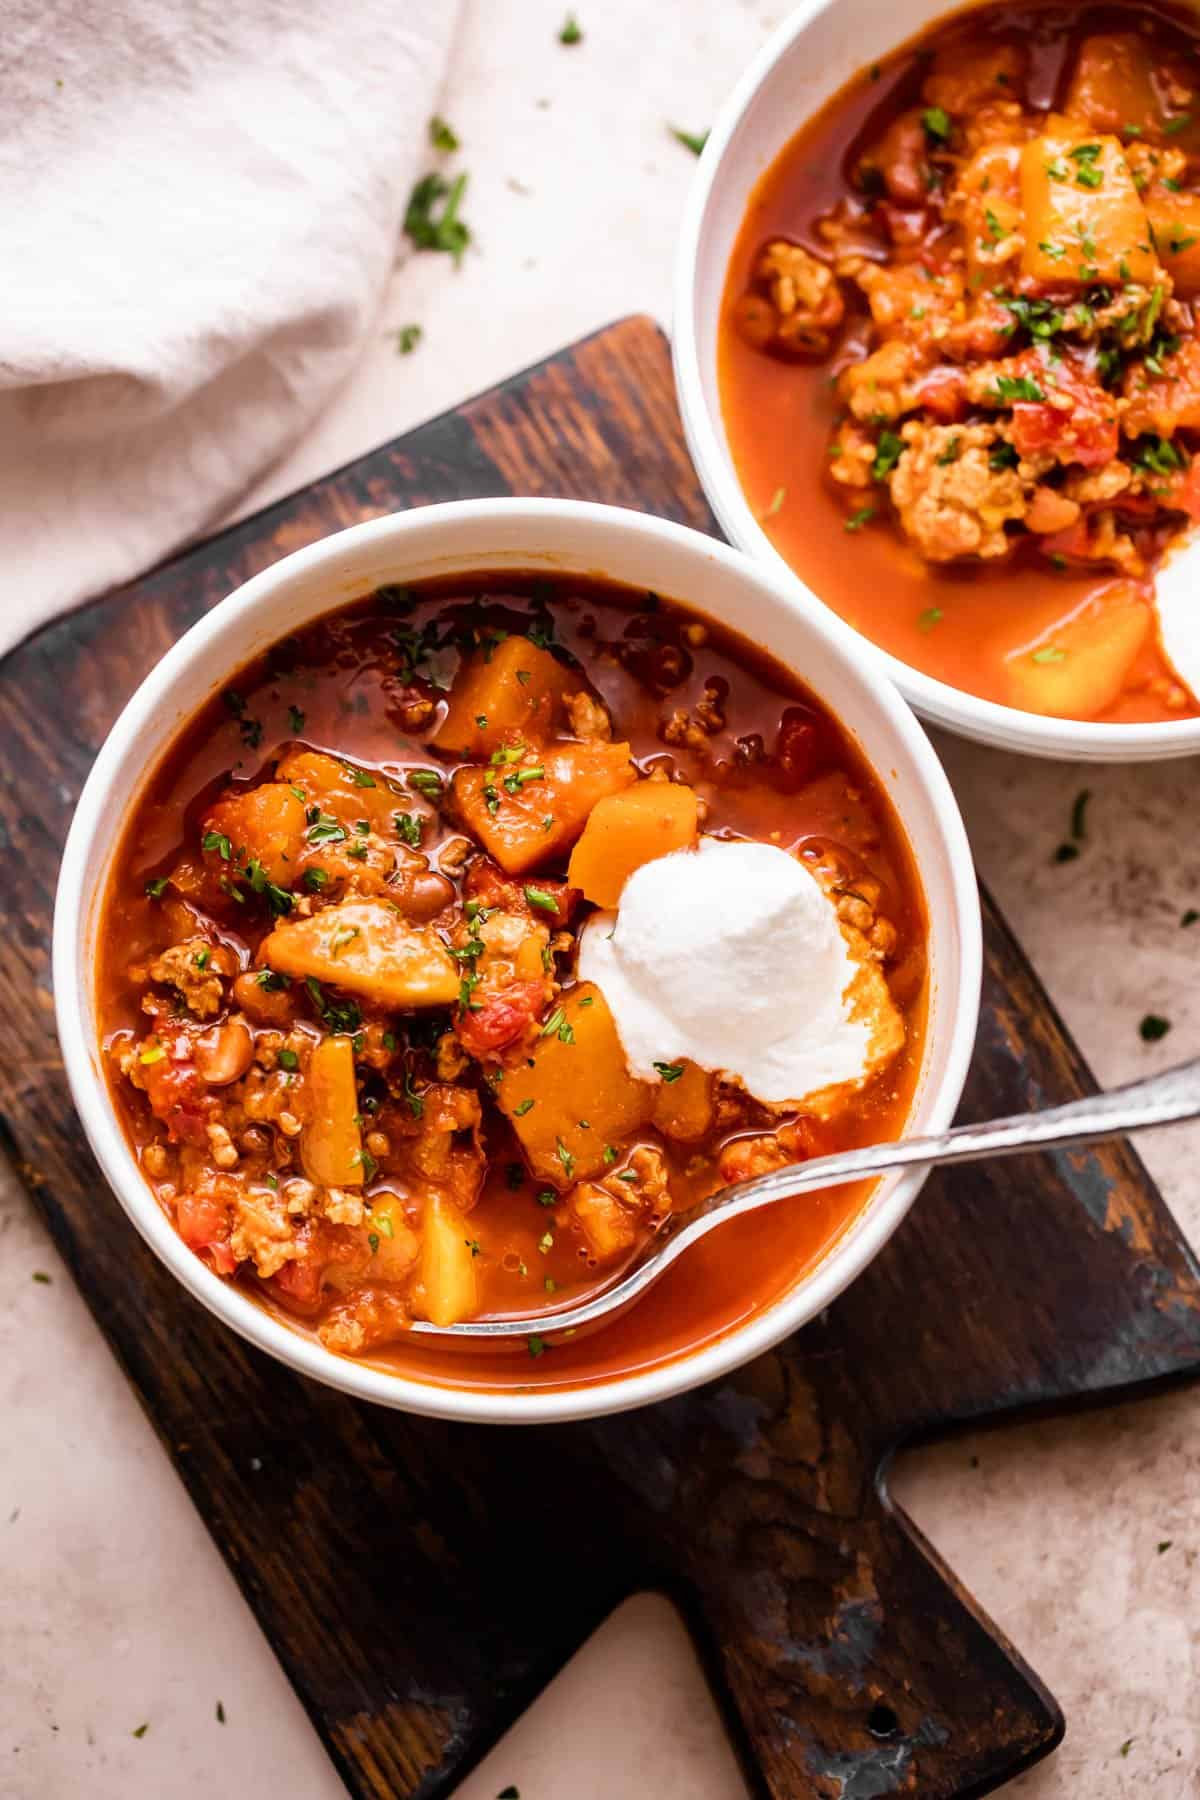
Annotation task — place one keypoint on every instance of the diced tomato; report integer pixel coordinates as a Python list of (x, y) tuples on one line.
[(1072, 542), (502, 1018), (298, 1284), (943, 392), (204, 1227), (1084, 432), (178, 1095), (487, 883)]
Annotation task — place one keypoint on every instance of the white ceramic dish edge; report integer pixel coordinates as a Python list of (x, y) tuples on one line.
[(813, 53), (576, 538)]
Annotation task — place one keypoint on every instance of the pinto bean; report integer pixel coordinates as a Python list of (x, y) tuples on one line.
[(225, 1053)]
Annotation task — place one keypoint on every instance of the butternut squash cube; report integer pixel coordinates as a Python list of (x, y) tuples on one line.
[(574, 1096), (344, 789), (511, 690), (445, 1290), (1084, 218), (1112, 85), (629, 829), (366, 947), (1176, 222), (331, 1141), (523, 824), (1081, 668), (988, 196), (683, 1108), (265, 824)]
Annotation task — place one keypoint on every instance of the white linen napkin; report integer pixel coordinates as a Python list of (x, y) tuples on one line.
[(200, 204)]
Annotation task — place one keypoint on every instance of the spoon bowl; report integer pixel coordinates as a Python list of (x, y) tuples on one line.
[(1165, 1099)]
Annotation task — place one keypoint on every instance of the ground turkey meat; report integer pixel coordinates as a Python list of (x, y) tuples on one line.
[(798, 303), (194, 970), (949, 499)]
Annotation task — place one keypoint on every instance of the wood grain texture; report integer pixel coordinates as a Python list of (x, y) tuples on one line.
[(420, 1581)]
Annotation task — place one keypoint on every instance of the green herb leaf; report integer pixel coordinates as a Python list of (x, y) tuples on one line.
[(929, 618), (216, 840), (1049, 653), (669, 1071), (937, 124), (525, 1106), (1189, 917), (1019, 387), (407, 338), (288, 1060), (1153, 1027), (431, 230), (537, 1346), (571, 32), (888, 452), (440, 134), (857, 520), (565, 1158), (155, 887), (539, 898), (691, 140)]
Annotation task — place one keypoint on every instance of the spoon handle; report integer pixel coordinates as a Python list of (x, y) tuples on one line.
[(1158, 1100)]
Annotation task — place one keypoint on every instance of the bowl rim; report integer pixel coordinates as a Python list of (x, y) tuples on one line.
[(986, 721), (109, 785)]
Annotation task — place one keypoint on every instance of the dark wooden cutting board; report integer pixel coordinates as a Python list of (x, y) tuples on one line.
[(421, 1581)]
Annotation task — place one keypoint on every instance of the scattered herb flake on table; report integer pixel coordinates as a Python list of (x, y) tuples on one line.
[(571, 33), (407, 338), (1153, 1027), (441, 135), (442, 230), (691, 140)]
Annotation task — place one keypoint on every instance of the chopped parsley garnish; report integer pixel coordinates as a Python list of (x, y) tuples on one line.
[(537, 1346), (669, 1071), (315, 880), (339, 1015), (1158, 455), (416, 1103), (360, 777), (323, 828), (1177, 245), (1039, 318), (1066, 853), (473, 1246), (1189, 917), (541, 899), (155, 887), (559, 1026), (444, 230), (937, 123), (408, 827), (216, 840), (1153, 1027), (571, 32), (1049, 653), (777, 500), (295, 720), (1003, 456), (1179, 123), (441, 136), (951, 453), (277, 898), (546, 1242), (288, 1060), (691, 140), (888, 452), (272, 982), (857, 520), (996, 231), (525, 1106), (202, 958), (427, 782), (564, 1157), (1017, 387), (929, 618), (407, 338), (610, 1155)]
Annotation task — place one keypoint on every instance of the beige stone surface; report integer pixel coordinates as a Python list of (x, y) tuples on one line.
[(1080, 1536)]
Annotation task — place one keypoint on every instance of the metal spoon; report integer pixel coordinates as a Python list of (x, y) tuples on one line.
[(1160, 1100)]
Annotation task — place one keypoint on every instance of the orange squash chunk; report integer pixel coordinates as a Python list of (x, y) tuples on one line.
[(608, 1227), (265, 824), (536, 819), (683, 1108), (331, 1141), (343, 789), (1084, 218), (1081, 667), (445, 1288), (511, 690), (629, 829), (1176, 222), (1112, 85), (366, 947), (574, 1096)]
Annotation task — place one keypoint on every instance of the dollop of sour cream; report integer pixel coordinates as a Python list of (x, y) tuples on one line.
[(1177, 594), (731, 956)]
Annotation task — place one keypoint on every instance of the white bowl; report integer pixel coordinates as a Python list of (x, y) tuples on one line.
[(555, 537), (814, 53)]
